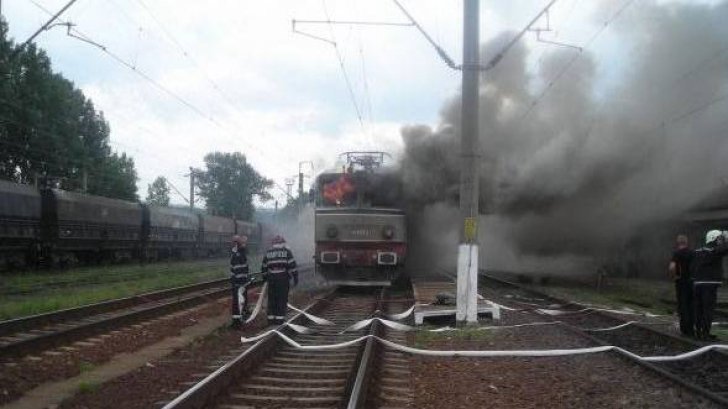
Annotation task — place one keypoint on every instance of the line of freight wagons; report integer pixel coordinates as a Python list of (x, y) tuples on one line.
[(53, 227)]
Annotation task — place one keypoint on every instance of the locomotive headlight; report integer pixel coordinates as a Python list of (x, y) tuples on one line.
[(332, 232), (388, 232)]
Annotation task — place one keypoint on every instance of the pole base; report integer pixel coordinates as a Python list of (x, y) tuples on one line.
[(467, 284)]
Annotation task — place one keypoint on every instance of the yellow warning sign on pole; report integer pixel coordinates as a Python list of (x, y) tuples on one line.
[(471, 228)]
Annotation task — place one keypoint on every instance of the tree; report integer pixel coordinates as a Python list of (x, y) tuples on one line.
[(158, 192), (229, 184), (49, 128)]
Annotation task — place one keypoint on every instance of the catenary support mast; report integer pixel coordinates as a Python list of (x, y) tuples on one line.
[(467, 268)]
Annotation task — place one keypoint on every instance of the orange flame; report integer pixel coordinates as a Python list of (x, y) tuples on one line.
[(335, 192)]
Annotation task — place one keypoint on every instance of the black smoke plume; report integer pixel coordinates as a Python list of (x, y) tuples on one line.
[(609, 151)]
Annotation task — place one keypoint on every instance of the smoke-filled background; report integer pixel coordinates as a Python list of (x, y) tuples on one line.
[(581, 160)]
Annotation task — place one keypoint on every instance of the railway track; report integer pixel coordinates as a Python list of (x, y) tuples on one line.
[(272, 373), (40, 332), (706, 374)]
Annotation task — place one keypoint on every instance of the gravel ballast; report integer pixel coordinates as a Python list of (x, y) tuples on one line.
[(603, 380)]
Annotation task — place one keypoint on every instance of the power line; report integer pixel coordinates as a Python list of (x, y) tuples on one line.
[(367, 95), (108, 139), (187, 54), (565, 23), (75, 33), (44, 27), (440, 51), (43, 155), (177, 191), (575, 57), (354, 23), (343, 69), (664, 89)]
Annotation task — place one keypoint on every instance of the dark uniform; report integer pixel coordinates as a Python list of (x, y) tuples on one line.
[(684, 289), (239, 279), (278, 268), (707, 271)]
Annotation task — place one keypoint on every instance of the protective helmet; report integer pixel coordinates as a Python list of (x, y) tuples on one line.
[(278, 240), (712, 236), (240, 240)]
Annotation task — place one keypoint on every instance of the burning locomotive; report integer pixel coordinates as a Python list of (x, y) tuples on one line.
[(360, 227)]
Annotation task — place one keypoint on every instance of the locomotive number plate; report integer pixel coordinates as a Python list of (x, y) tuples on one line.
[(362, 232)]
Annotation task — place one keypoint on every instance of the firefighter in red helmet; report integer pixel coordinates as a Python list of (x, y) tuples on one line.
[(278, 268)]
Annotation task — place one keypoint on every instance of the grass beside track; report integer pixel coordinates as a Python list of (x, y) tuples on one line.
[(647, 295), (653, 296), (32, 293)]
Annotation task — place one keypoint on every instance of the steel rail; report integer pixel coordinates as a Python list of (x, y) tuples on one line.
[(358, 391), (56, 338), (716, 397), (208, 391), (204, 393), (651, 366), (34, 321)]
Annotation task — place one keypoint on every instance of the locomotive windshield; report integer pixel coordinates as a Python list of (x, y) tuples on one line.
[(357, 190), (337, 190)]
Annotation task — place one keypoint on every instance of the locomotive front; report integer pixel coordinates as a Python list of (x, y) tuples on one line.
[(360, 229)]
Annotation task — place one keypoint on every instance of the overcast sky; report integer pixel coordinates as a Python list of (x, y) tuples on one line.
[(243, 81)]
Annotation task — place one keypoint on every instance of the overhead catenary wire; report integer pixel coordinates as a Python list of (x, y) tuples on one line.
[(354, 23), (367, 95), (44, 27), (496, 58), (565, 24), (664, 89), (340, 58), (73, 31), (574, 58), (45, 157), (187, 54), (110, 141), (47, 152), (367, 106), (440, 51)]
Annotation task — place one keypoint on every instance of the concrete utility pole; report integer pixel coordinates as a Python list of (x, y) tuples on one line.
[(289, 185), (300, 185), (192, 187), (467, 271), (301, 200)]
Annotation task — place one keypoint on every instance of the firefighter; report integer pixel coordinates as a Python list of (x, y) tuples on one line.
[(278, 268), (679, 270), (707, 270), (239, 279)]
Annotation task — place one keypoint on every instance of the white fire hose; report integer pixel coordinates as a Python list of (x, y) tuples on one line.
[(487, 354)]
